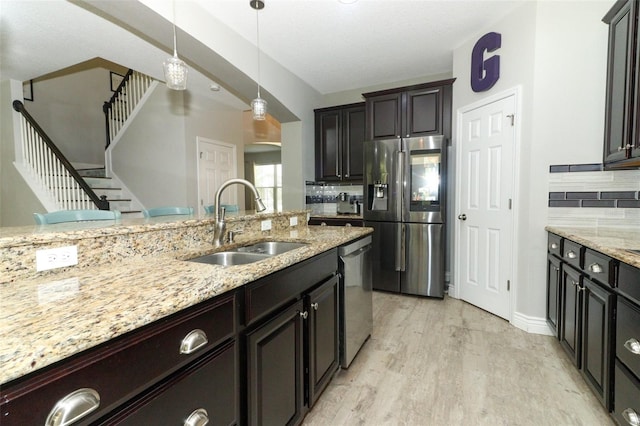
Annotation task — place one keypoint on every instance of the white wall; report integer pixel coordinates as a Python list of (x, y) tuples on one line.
[(556, 52)]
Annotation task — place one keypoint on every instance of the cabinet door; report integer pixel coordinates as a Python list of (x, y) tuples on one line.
[(618, 118), (328, 153), (352, 143), (597, 322), (322, 305), (210, 384), (553, 292), (571, 307), (275, 370), (424, 113), (383, 116)]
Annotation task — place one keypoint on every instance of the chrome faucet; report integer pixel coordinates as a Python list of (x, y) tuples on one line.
[(220, 226)]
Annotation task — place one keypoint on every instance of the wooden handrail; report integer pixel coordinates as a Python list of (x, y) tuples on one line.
[(100, 202), (109, 104)]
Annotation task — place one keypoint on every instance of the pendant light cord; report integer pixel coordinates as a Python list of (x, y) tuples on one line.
[(175, 42), (258, 43)]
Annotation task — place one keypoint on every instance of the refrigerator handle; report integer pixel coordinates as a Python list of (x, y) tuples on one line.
[(400, 185), (400, 248)]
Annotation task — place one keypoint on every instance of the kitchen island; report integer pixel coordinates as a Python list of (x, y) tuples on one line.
[(129, 275)]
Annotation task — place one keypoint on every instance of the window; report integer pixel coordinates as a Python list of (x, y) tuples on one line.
[(268, 181)]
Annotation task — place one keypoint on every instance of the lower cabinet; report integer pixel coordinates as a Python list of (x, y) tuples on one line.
[(292, 357), (571, 313), (553, 293)]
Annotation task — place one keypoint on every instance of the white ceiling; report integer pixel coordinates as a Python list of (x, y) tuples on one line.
[(335, 46), (330, 45)]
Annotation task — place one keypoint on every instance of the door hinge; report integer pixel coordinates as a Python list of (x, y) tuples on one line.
[(508, 285), (510, 203), (512, 117), (201, 154)]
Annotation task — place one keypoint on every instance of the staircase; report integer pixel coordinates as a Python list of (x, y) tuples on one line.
[(118, 198)]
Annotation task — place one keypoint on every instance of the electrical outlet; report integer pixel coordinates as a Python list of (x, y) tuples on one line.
[(56, 258), (293, 221), (265, 225)]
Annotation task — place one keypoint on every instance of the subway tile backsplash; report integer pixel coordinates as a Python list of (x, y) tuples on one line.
[(585, 195), (321, 197)]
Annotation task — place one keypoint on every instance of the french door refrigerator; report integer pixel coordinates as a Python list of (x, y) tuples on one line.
[(404, 201)]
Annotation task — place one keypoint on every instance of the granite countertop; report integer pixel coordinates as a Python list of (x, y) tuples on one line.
[(620, 244), (49, 318)]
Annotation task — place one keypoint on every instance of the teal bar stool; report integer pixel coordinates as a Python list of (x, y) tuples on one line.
[(229, 208), (75, 216), (167, 211)]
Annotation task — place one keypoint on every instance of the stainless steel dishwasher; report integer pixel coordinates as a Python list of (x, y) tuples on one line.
[(356, 303)]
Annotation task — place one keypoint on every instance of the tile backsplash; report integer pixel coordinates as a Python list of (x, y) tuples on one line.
[(321, 197), (580, 195)]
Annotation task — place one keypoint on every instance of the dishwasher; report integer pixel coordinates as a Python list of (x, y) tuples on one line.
[(356, 298)]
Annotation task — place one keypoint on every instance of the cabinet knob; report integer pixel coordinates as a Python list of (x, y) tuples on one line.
[(193, 341), (633, 346), (554, 246), (624, 148), (199, 417), (73, 407), (631, 417), (323, 224), (571, 254), (314, 306), (595, 268), (304, 314)]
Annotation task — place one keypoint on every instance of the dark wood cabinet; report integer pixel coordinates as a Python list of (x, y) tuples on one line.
[(420, 110), (554, 275), (339, 136), (337, 221), (597, 329), (275, 370), (622, 122), (322, 336), (571, 313)]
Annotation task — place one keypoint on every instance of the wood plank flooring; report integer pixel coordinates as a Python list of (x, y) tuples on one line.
[(445, 362)]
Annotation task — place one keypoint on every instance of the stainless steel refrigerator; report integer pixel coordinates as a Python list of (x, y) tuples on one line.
[(404, 201)]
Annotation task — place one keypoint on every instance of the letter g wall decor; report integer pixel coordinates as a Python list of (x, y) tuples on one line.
[(485, 72)]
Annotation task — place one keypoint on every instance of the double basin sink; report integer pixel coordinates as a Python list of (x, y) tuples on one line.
[(248, 254)]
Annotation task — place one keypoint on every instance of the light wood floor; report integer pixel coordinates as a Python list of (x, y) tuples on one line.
[(445, 362)]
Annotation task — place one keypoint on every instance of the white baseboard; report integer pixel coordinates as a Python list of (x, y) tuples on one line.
[(529, 324)]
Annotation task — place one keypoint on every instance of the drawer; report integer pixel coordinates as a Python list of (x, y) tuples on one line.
[(629, 282), (572, 253), (599, 267), (120, 369), (267, 294), (628, 335), (336, 222), (554, 244), (626, 395), (210, 384)]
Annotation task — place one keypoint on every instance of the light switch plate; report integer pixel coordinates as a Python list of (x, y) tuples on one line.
[(265, 225), (293, 221), (56, 258)]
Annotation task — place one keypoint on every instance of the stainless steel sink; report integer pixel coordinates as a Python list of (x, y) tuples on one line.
[(271, 247), (230, 258)]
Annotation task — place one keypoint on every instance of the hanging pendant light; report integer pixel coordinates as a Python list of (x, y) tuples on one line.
[(175, 70), (258, 105)]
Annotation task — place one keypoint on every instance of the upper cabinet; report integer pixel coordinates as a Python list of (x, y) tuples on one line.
[(340, 133), (622, 121), (420, 110)]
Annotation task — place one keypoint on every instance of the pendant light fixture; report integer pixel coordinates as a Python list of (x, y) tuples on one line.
[(175, 70), (258, 105)]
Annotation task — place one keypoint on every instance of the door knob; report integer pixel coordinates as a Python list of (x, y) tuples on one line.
[(462, 216)]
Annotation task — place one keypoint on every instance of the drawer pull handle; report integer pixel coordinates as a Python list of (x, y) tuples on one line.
[(193, 341), (595, 268), (73, 407), (632, 346), (304, 314), (554, 246), (199, 417), (631, 417), (571, 254)]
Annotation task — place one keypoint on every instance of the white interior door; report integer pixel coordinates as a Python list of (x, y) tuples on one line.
[(216, 164), (484, 205)]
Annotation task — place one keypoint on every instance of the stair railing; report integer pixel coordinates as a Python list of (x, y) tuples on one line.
[(123, 101), (53, 169)]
